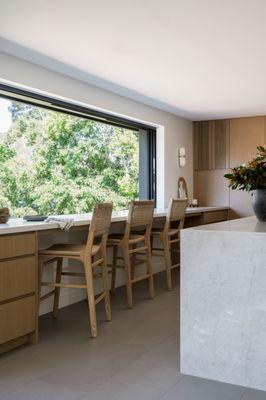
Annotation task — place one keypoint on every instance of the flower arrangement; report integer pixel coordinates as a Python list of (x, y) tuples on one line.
[(250, 176)]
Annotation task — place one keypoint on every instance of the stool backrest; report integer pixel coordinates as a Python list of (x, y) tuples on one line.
[(100, 223), (176, 212), (140, 213)]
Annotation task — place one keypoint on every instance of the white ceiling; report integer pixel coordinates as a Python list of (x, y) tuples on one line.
[(196, 58)]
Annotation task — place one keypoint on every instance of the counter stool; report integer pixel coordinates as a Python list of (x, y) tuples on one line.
[(169, 234), (140, 218), (91, 255)]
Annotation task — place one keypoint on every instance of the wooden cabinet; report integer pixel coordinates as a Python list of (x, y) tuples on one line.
[(211, 162), (18, 290), (17, 245), (218, 146), (17, 318), (211, 141), (215, 216), (211, 188), (245, 135), (17, 277)]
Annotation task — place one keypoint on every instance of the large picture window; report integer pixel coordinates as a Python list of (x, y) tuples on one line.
[(60, 159)]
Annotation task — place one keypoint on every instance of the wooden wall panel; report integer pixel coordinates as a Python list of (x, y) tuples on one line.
[(202, 133), (211, 160), (221, 144), (211, 188), (245, 135)]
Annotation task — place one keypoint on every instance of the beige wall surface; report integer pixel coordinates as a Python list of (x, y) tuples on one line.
[(173, 131)]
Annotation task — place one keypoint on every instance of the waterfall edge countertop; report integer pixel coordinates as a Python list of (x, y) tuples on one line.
[(16, 225), (247, 224), (223, 302)]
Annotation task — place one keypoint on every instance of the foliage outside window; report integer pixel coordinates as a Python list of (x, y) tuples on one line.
[(56, 163)]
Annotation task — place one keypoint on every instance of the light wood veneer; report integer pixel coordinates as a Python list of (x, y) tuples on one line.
[(18, 290), (218, 146), (17, 318), (17, 277), (17, 245)]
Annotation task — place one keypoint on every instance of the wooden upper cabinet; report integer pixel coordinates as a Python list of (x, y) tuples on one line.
[(218, 146), (211, 144), (245, 135)]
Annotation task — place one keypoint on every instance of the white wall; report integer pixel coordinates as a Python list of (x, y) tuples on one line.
[(172, 131)]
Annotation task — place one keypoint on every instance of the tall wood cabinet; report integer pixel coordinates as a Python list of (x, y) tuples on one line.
[(245, 135), (218, 146), (211, 162)]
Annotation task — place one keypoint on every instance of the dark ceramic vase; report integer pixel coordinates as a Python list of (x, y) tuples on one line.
[(259, 203)]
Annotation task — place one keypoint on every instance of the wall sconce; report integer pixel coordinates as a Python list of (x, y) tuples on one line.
[(181, 156)]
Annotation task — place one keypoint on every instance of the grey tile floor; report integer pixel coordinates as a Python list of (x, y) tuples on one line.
[(136, 356)]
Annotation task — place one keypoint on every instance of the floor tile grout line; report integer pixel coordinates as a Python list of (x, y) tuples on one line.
[(130, 363), (175, 384), (243, 394)]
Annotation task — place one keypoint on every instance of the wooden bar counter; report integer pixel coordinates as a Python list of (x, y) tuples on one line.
[(19, 268)]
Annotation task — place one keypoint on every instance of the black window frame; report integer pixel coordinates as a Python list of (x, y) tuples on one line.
[(55, 104)]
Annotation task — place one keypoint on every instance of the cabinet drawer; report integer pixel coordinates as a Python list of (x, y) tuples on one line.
[(215, 216), (17, 318), (17, 277), (17, 245)]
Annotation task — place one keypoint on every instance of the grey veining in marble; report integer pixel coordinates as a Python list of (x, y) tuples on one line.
[(223, 303)]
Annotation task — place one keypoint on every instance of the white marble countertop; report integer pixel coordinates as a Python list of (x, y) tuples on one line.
[(15, 225), (223, 302), (247, 224)]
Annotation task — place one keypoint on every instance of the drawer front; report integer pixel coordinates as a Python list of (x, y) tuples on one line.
[(17, 277), (215, 216), (17, 245), (17, 318)]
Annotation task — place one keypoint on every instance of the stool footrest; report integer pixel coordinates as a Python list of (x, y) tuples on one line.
[(99, 298), (114, 267), (140, 278), (173, 241), (98, 262), (49, 294), (66, 273), (138, 249), (50, 261), (64, 285), (175, 266)]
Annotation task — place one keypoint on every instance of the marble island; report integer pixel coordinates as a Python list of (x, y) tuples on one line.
[(223, 302)]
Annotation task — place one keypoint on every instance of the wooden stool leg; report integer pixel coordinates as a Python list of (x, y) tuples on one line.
[(149, 270), (91, 299), (167, 257), (106, 289), (133, 260), (114, 269), (57, 289), (152, 242), (128, 276)]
